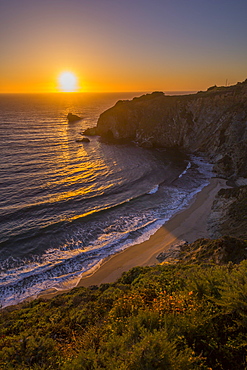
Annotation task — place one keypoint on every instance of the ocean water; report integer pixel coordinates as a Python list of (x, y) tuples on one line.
[(64, 205)]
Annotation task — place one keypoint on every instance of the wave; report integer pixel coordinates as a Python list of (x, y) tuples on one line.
[(33, 234), (62, 267), (185, 171), (154, 190)]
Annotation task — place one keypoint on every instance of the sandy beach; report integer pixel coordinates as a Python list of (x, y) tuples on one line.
[(188, 225)]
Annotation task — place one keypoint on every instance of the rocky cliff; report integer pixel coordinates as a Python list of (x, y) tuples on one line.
[(213, 122), (229, 213), (207, 251)]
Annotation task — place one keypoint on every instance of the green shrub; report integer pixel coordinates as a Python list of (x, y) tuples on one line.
[(171, 316)]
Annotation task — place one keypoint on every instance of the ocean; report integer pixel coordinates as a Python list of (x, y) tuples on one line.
[(65, 205)]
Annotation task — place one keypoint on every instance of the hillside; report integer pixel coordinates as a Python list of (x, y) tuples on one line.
[(174, 317)]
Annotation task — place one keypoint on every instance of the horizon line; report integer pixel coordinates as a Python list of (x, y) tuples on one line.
[(95, 92)]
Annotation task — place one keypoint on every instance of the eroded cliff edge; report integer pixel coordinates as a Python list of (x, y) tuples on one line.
[(213, 122)]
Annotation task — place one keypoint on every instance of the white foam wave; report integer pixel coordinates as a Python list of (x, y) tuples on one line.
[(154, 190), (204, 167), (186, 169)]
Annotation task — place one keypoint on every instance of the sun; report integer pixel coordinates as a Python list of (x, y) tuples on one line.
[(67, 82)]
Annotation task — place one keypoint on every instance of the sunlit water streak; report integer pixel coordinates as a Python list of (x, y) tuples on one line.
[(64, 206)]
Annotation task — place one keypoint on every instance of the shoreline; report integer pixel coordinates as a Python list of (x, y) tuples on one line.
[(188, 225)]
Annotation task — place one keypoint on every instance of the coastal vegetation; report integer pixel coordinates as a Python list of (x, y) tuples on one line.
[(181, 315)]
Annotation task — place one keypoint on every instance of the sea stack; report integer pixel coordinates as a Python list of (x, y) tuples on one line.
[(73, 117)]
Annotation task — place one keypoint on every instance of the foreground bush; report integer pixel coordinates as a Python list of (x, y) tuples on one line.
[(163, 317)]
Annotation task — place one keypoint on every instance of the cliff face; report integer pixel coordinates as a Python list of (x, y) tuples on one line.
[(212, 122), (229, 213)]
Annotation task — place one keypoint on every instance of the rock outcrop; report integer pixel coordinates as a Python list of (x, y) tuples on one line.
[(229, 213), (83, 140), (213, 122), (206, 251)]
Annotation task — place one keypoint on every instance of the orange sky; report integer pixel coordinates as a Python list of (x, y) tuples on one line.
[(126, 45)]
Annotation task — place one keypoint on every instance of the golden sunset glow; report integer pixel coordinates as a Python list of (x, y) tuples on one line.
[(68, 82), (115, 47)]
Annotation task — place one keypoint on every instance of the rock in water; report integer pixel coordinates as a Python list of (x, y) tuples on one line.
[(92, 131), (73, 117), (83, 140)]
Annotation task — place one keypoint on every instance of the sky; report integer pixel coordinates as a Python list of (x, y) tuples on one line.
[(122, 45)]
